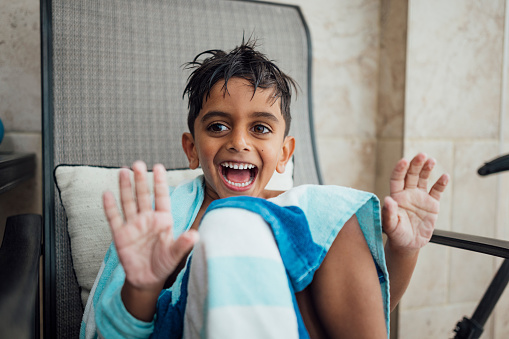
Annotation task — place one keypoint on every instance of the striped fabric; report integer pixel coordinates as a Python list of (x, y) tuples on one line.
[(238, 287)]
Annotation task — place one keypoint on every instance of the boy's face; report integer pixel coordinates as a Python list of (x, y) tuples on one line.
[(238, 140)]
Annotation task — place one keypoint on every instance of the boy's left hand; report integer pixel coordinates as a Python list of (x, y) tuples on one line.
[(409, 214)]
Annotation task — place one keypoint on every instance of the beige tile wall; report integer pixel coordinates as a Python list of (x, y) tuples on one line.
[(501, 328), (345, 36), (391, 91), (392, 70), (454, 111), (434, 322), (454, 65)]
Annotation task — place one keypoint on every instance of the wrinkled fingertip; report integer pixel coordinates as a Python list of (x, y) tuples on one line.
[(107, 196), (192, 236), (402, 164), (158, 168), (430, 163), (139, 165), (445, 179), (124, 173)]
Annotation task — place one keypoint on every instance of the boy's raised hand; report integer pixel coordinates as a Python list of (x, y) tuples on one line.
[(144, 238), (410, 212)]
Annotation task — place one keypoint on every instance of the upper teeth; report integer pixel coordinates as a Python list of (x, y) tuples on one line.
[(236, 165)]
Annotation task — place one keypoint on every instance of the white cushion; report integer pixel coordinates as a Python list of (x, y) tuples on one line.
[(81, 189)]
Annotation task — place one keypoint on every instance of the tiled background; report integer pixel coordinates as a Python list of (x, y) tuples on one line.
[(456, 109), (391, 78)]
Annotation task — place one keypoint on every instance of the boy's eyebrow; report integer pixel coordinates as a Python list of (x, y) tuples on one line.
[(215, 114), (266, 115)]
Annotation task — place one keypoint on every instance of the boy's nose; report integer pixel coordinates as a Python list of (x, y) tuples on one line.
[(238, 142)]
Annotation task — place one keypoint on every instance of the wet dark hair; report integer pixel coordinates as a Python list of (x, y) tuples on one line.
[(243, 62)]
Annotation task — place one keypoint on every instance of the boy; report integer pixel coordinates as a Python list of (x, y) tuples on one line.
[(239, 120)]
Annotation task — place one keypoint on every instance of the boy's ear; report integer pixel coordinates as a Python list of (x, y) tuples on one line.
[(286, 153), (190, 150)]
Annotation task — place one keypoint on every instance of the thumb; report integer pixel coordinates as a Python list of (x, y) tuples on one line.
[(389, 215), (183, 245)]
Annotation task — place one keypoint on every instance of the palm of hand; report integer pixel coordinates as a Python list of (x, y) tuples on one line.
[(417, 214), (143, 248), (410, 213), (144, 240)]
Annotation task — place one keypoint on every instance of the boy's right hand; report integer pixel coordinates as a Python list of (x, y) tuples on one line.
[(144, 239)]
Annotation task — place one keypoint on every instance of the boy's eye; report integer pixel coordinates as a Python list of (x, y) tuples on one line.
[(217, 127), (261, 129)]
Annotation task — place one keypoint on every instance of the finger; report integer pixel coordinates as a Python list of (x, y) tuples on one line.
[(439, 187), (141, 186), (126, 194), (425, 173), (397, 182), (161, 191), (111, 211), (412, 176), (183, 245), (389, 214)]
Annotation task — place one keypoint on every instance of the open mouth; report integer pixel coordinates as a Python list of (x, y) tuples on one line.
[(238, 175)]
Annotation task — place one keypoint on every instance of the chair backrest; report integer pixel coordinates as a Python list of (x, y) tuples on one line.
[(112, 93)]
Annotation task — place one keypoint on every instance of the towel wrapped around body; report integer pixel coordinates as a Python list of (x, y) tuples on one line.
[(304, 222)]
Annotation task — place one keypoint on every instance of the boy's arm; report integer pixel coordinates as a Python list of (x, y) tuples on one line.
[(111, 318), (408, 218)]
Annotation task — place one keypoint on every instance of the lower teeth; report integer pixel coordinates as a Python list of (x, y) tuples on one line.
[(238, 184)]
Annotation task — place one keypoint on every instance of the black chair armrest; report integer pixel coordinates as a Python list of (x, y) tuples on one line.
[(19, 272), (496, 247)]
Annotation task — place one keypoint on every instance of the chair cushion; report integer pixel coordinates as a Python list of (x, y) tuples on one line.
[(80, 190)]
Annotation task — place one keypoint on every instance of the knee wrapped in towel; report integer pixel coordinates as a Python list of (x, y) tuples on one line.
[(238, 287)]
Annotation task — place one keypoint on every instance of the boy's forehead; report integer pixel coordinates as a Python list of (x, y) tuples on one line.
[(238, 91)]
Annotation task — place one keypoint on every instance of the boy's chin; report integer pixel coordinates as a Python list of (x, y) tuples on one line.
[(246, 193), (230, 194), (227, 191)]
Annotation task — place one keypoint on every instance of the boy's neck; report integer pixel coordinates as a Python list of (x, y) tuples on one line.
[(266, 194)]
